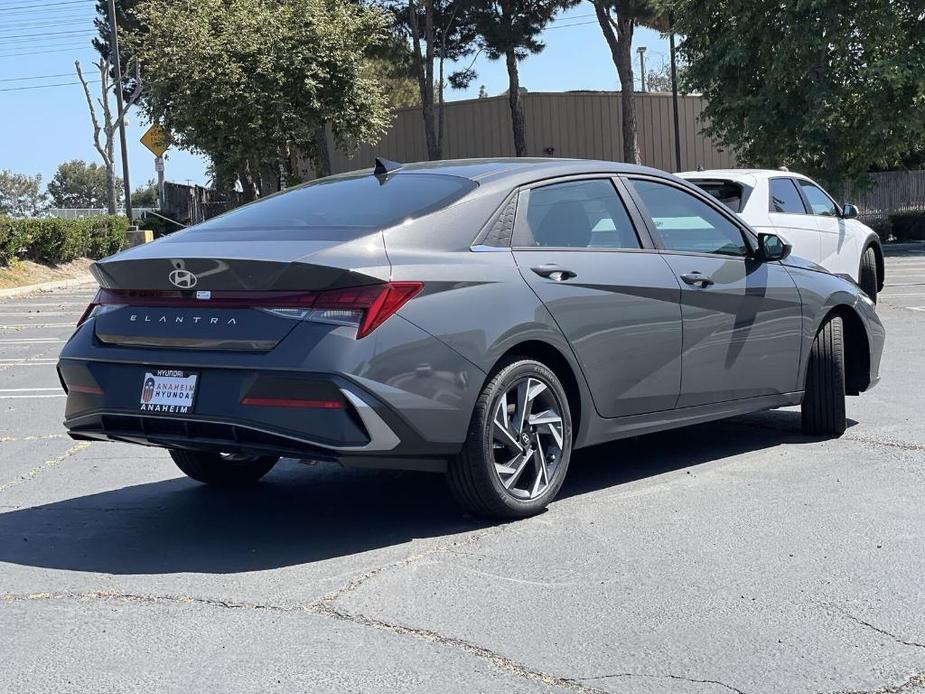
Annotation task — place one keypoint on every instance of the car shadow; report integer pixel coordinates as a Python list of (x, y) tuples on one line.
[(301, 514)]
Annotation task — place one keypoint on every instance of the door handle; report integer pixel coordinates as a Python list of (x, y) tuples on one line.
[(554, 272), (696, 277)]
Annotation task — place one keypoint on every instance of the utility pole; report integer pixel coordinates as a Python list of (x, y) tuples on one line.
[(674, 97), (642, 67), (117, 66)]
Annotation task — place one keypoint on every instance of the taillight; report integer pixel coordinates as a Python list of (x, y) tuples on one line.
[(89, 310), (365, 307)]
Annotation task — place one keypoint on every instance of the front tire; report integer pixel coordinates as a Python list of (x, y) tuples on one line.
[(519, 444), (867, 275), (222, 469), (824, 400)]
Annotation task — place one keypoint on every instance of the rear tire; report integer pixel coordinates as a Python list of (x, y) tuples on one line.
[(519, 444), (824, 400), (867, 276), (222, 470)]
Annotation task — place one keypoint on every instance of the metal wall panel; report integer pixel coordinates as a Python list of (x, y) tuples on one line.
[(561, 124)]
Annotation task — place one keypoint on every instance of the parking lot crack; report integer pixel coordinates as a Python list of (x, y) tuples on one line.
[(888, 444), (501, 662), (140, 598), (877, 629), (46, 465), (681, 678)]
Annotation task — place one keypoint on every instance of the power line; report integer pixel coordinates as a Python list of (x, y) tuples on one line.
[(86, 47), (44, 33), (35, 77), (45, 86), (43, 5), (49, 22), (569, 26)]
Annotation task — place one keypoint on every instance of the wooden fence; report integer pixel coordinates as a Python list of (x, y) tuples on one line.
[(892, 192), (567, 124)]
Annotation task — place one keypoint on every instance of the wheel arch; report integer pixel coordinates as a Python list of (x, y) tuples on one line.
[(565, 371)]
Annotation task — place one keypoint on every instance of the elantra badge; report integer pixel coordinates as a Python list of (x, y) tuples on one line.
[(184, 279)]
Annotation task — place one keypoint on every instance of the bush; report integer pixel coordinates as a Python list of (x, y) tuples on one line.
[(908, 226), (53, 240)]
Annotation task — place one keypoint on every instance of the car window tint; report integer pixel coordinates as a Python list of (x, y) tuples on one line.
[(785, 197), (819, 202), (582, 214), (362, 201), (685, 223), (727, 192)]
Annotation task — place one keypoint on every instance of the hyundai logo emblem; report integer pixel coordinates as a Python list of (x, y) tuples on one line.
[(184, 279)]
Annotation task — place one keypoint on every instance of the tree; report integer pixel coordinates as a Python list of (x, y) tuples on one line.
[(828, 87), (659, 80), (21, 195), (146, 195), (510, 29), (110, 122), (618, 20), (249, 82), (77, 184), (438, 30)]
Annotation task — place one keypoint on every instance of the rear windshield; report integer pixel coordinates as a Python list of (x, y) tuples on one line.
[(358, 202), (727, 192)]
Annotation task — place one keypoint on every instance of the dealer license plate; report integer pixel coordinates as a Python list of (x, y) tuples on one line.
[(168, 391)]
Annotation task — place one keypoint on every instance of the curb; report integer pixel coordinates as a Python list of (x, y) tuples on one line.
[(81, 281)]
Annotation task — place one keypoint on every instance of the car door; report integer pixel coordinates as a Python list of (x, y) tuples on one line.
[(791, 218), (837, 245), (612, 295), (742, 318)]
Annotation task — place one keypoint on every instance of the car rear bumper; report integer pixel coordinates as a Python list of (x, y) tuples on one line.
[(406, 409)]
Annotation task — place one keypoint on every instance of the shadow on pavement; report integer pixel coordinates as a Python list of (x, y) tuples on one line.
[(302, 514)]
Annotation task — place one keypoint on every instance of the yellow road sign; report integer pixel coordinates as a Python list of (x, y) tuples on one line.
[(156, 139)]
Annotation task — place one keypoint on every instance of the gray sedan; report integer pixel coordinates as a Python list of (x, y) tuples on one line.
[(479, 318)]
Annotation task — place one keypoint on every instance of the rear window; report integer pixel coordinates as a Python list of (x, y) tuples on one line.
[(727, 192), (356, 202)]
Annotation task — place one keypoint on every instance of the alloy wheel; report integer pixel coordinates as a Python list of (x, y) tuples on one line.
[(527, 438)]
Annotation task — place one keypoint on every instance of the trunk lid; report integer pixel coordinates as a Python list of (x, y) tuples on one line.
[(201, 269)]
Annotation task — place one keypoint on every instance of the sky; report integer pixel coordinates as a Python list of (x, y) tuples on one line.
[(45, 121)]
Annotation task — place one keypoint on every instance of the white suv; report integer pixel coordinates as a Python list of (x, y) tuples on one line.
[(807, 217)]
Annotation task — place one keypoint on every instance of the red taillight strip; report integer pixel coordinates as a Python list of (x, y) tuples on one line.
[(290, 402), (376, 301)]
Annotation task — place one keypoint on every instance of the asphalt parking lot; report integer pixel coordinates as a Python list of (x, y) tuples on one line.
[(732, 557)]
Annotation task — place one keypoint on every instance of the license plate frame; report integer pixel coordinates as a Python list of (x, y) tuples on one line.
[(168, 391)]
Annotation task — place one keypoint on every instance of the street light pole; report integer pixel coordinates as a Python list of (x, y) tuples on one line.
[(642, 68), (674, 97), (114, 49)]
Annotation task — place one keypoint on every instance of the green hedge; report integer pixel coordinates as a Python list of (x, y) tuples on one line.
[(908, 226), (53, 240)]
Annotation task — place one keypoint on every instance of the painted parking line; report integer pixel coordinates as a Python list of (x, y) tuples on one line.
[(28, 390), (34, 341), (916, 308), (39, 396), (37, 314), (25, 361), (21, 326)]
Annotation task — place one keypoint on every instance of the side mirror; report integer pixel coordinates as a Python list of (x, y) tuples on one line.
[(772, 247), (849, 211)]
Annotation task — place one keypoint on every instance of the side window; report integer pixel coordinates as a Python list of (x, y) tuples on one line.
[(685, 223), (785, 197), (819, 202), (577, 214)]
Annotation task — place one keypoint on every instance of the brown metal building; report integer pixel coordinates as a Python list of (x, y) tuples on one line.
[(559, 124)]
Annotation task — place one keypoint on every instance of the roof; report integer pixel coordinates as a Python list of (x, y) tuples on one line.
[(514, 171), (749, 176)]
